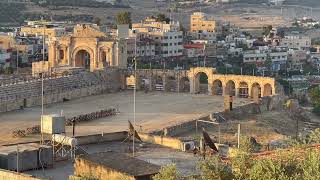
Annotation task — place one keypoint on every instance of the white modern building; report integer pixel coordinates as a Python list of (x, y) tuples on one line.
[(167, 36), (296, 42)]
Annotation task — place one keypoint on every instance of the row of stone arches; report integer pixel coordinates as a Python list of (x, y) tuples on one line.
[(170, 84), (200, 83)]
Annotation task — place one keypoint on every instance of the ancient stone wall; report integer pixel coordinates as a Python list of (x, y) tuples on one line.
[(267, 103), (58, 89)]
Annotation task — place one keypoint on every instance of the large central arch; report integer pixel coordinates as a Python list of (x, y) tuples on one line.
[(83, 57), (201, 83)]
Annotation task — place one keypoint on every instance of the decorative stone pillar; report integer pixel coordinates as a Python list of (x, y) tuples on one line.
[(250, 90), (164, 82), (237, 87), (65, 59), (262, 91)]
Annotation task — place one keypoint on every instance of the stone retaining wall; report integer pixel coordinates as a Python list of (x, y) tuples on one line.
[(11, 175), (267, 103)]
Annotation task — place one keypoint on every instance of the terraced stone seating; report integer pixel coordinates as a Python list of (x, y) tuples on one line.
[(52, 85)]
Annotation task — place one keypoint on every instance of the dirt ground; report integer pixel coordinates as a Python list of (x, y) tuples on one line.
[(142, 8), (266, 127), (153, 111)]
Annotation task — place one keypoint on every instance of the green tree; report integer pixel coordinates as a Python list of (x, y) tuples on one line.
[(268, 64), (249, 145), (311, 165), (162, 18), (241, 165), (97, 21), (266, 30), (214, 168), (314, 136), (315, 97), (168, 172), (124, 18)]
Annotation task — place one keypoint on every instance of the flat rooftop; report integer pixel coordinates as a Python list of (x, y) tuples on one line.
[(154, 111), (123, 163), (151, 153)]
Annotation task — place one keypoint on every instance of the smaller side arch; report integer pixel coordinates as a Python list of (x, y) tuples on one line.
[(230, 88), (184, 84), (267, 90), (217, 88), (255, 90), (243, 89)]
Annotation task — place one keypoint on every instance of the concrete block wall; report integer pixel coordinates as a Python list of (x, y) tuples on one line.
[(103, 137), (173, 143)]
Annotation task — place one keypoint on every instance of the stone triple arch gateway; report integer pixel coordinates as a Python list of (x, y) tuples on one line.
[(217, 84)]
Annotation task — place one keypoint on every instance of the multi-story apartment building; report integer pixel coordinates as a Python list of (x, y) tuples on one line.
[(49, 28), (167, 36), (296, 59), (28, 48), (145, 47), (279, 60), (210, 37), (194, 50), (296, 42), (200, 22), (254, 56), (258, 57)]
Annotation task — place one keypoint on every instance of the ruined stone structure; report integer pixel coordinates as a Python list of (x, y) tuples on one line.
[(87, 47), (217, 84), (80, 84)]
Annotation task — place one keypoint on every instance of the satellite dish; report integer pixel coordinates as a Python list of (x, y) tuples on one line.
[(208, 141), (132, 132)]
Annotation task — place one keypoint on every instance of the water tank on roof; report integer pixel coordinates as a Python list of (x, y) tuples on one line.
[(53, 124)]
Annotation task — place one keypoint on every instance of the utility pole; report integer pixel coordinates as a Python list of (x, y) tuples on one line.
[(17, 60), (239, 127), (134, 93)]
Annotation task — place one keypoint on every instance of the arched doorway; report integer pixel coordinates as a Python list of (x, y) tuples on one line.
[(201, 83), (256, 90), (130, 82), (82, 59), (230, 88), (171, 84), (267, 90), (217, 87), (184, 84), (243, 90)]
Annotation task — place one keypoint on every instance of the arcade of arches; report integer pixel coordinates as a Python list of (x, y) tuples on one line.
[(205, 81)]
